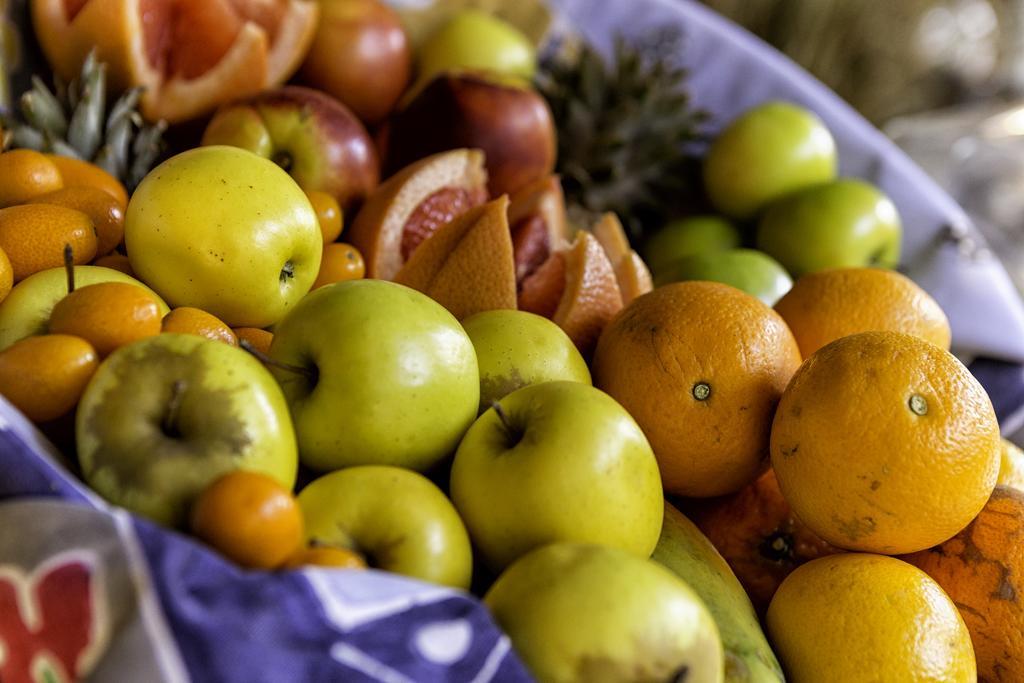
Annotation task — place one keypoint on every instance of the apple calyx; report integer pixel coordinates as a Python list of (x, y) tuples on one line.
[(680, 675), (283, 159), (918, 405), (287, 271), (311, 374), (702, 391), (169, 424), (514, 434), (69, 266)]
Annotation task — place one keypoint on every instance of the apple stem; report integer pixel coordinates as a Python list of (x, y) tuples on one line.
[(308, 373), (514, 435), (69, 266), (173, 407)]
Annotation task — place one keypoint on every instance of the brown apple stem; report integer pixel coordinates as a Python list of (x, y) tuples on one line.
[(69, 266), (515, 435), (308, 373), (170, 423)]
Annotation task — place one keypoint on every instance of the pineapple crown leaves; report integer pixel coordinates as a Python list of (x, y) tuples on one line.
[(72, 121), (629, 136)]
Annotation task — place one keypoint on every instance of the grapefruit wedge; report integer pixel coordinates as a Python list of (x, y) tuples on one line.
[(630, 270), (404, 211), (189, 55), (577, 289), (536, 216), (467, 265)]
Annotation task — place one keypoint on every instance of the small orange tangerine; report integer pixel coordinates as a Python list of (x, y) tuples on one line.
[(108, 315), (260, 339), (24, 174), (76, 172), (328, 214), (34, 237), (188, 320), (105, 212), (44, 376), (340, 262)]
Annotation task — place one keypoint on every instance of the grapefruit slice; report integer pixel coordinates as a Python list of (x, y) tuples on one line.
[(467, 265), (630, 270), (538, 222), (189, 55), (411, 205), (577, 289)]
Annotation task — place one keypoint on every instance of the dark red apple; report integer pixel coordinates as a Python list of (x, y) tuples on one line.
[(510, 122), (321, 144)]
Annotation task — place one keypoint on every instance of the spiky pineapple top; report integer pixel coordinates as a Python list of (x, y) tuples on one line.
[(628, 135), (72, 121)]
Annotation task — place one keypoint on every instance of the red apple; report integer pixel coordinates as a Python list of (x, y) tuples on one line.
[(506, 119), (361, 55), (321, 144)]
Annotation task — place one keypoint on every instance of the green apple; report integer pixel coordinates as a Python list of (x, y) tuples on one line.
[(386, 376), (26, 310), (578, 612), (396, 519), (165, 416), (768, 152), (477, 40), (688, 236), (750, 270), (559, 461), (309, 134), (516, 348), (846, 223), (227, 231)]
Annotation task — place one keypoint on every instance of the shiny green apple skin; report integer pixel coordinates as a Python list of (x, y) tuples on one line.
[(847, 223), (766, 153), (26, 310), (688, 236), (477, 40), (138, 451), (397, 519), (397, 379), (572, 466), (578, 612), (517, 348), (222, 229), (749, 270)]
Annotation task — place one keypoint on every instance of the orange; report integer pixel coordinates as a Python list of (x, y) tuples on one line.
[(189, 55), (6, 276), (407, 208), (108, 315), (467, 265), (577, 289), (982, 570), (327, 556), (34, 236), (250, 518), (630, 270), (106, 213), (328, 214), (78, 173), (885, 443), (756, 532), (260, 339), (24, 174), (1011, 466), (826, 305), (116, 261), (44, 376), (701, 367), (188, 320), (861, 617), (340, 262)]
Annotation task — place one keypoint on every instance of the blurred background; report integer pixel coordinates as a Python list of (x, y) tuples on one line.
[(943, 78)]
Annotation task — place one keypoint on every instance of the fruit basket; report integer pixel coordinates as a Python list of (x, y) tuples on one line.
[(116, 597)]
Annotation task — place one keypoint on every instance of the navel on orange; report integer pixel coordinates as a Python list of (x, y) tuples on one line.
[(701, 367), (885, 443), (44, 376), (826, 305), (108, 315)]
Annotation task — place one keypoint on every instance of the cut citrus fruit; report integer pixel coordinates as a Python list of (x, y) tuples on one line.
[(190, 55), (536, 215), (467, 265), (577, 289), (411, 205), (630, 270)]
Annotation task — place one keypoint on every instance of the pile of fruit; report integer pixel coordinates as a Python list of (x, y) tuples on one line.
[(685, 466)]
